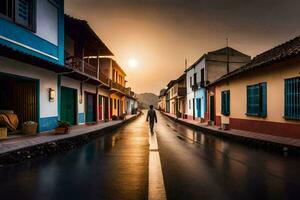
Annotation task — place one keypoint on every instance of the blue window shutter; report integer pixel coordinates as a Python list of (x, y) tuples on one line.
[(263, 99), (292, 98), (225, 102)]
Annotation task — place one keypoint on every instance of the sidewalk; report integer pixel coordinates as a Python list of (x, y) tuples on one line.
[(17, 149), (263, 139)]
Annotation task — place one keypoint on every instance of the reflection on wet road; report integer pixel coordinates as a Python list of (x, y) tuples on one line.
[(192, 166), (114, 166), (199, 166)]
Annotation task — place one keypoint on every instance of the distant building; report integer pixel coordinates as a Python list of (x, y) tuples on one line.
[(205, 70), (162, 100), (262, 96)]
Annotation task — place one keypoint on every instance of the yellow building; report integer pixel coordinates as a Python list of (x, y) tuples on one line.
[(262, 96), (117, 84)]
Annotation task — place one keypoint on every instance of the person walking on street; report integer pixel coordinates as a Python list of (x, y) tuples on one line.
[(151, 118)]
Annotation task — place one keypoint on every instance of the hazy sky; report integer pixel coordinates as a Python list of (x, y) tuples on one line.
[(160, 34)]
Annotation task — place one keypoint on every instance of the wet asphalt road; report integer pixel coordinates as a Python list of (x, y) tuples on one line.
[(113, 167), (194, 166), (198, 166)]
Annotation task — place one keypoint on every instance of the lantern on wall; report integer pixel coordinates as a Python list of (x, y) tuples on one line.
[(51, 95)]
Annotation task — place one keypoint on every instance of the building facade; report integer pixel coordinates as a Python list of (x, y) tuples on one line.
[(206, 69), (262, 96), (162, 100), (32, 55), (49, 72)]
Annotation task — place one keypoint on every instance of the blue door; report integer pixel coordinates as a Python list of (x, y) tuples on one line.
[(198, 107)]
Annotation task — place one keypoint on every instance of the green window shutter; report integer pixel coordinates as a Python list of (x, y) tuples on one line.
[(263, 93), (228, 103)]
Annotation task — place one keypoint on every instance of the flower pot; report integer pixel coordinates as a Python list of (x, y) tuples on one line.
[(62, 130)]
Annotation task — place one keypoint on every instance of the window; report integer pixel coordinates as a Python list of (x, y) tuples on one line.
[(189, 103), (195, 78), (257, 100), (225, 100), (202, 75), (113, 76), (115, 104), (292, 98), (191, 81), (6, 8), (22, 12)]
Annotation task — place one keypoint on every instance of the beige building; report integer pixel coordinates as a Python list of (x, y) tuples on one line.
[(162, 100), (177, 96), (263, 95)]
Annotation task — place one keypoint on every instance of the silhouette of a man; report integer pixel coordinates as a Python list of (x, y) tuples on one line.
[(151, 118)]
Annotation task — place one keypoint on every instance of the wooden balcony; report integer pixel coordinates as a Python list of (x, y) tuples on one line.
[(77, 64), (182, 91), (117, 87)]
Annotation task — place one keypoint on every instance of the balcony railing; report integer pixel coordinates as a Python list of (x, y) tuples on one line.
[(117, 86), (79, 65), (181, 91)]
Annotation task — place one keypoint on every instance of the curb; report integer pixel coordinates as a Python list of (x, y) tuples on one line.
[(57, 146), (268, 145)]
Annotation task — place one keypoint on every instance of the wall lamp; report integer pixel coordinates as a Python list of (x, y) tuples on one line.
[(51, 95)]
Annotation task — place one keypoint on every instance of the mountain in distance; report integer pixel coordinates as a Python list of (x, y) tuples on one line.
[(147, 99)]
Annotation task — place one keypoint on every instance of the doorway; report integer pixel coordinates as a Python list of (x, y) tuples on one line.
[(20, 96), (212, 108), (90, 107), (68, 105), (194, 108)]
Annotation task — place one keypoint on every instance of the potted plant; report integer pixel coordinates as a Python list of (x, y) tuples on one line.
[(62, 127), (114, 118), (178, 114)]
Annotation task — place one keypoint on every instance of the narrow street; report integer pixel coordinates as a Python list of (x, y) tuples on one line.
[(194, 166)]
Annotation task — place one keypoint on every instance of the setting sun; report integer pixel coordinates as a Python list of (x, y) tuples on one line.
[(132, 62)]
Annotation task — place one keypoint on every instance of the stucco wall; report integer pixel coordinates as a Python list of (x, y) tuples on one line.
[(274, 76), (216, 65), (47, 80)]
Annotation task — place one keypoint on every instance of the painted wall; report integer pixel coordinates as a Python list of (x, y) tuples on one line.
[(201, 94), (274, 76), (48, 40), (74, 84), (47, 79), (115, 109), (189, 109), (173, 106), (216, 64)]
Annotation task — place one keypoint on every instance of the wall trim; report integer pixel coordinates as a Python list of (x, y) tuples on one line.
[(28, 47)]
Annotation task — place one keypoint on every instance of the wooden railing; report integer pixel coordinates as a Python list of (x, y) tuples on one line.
[(78, 64), (117, 86), (181, 91)]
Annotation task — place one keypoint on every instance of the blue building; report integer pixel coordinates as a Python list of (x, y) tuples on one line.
[(31, 58)]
